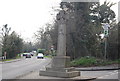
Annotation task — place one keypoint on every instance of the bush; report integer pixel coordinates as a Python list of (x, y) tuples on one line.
[(92, 61), (84, 61)]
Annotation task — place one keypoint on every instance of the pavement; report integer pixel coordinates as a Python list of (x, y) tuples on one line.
[(35, 74)]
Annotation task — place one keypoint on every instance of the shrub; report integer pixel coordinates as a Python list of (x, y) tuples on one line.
[(84, 61), (92, 61)]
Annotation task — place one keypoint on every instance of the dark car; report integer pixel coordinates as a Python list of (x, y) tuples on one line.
[(24, 54), (31, 54), (28, 55)]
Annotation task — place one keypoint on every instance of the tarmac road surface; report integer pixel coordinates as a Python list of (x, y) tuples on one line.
[(24, 66)]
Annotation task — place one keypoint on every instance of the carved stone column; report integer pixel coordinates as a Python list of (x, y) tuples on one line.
[(60, 63)]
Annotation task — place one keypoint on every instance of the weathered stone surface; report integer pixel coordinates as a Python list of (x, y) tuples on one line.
[(61, 69), (60, 62), (61, 47), (60, 74)]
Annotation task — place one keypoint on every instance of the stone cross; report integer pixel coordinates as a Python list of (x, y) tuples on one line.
[(61, 47), (61, 60), (60, 63)]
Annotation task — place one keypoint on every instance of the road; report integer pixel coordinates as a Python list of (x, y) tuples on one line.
[(26, 65)]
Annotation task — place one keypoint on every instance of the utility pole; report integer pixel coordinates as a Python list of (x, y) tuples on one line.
[(105, 56), (105, 27)]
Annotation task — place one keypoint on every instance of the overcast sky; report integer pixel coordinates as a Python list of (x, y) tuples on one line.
[(27, 16)]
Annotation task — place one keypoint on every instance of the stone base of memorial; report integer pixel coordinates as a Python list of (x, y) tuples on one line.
[(60, 68)]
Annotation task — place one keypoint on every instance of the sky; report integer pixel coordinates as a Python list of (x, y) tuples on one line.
[(27, 16)]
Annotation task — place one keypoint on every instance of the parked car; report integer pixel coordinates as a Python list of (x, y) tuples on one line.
[(31, 54), (28, 55), (40, 55), (24, 54)]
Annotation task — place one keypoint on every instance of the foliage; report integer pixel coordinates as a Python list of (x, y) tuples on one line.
[(28, 47), (103, 13), (43, 37), (113, 43), (41, 51), (83, 27), (92, 61), (84, 61), (80, 31), (11, 42), (0, 42)]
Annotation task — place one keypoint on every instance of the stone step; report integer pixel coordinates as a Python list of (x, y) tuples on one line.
[(61, 69), (60, 74)]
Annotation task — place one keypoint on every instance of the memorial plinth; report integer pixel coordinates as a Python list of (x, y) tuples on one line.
[(60, 68), (60, 63)]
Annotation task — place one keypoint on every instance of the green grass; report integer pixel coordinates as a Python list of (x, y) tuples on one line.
[(48, 56), (91, 61), (8, 59)]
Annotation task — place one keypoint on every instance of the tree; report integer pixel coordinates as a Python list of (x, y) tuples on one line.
[(83, 24), (113, 43), (5, 33), (43, 37), (11, 42), (80, 30), (29, 47), (14, 45), (0, 43), (103, 13), (83, 28)]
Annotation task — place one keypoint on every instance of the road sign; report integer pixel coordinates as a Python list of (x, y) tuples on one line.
[(105, 32), (106, 27)]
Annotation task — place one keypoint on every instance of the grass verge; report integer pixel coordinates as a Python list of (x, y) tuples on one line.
[(48, 56)]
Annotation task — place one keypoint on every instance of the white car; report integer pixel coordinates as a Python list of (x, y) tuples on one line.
[(40, 55)]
